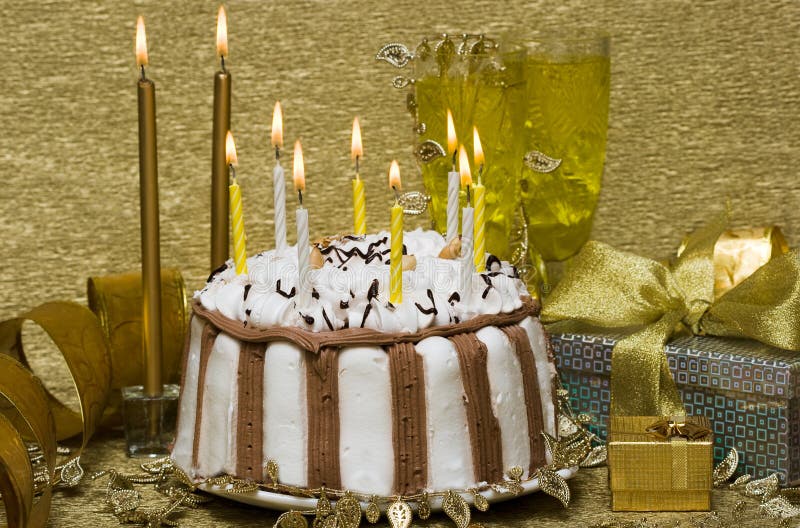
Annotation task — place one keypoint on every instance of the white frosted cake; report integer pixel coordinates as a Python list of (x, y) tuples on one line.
[(444, 391)]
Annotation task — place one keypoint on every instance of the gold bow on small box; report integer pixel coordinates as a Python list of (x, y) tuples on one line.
[(660, 463)]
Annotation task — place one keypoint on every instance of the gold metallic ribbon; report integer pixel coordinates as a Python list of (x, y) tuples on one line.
[(666, 429), (37, 415), (608, 288)]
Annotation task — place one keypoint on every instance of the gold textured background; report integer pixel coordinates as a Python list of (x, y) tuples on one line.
[(704, 105)]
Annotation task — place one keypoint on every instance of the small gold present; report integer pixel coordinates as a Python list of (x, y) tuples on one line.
[(660, 463)]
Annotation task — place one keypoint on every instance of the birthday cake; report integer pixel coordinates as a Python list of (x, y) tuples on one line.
[(449, 389)]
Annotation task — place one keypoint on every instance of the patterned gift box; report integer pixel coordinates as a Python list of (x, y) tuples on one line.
[(749, 391)]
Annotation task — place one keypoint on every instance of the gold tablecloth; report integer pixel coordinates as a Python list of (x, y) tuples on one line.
[(590, 503)]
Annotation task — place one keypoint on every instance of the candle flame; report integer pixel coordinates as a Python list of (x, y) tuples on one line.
[(277, 125), (452, 139), (394, 176), (230, 150), (299, 168), (141, 43), (477, 148), (463, 166), (356, 151), (222, 32)]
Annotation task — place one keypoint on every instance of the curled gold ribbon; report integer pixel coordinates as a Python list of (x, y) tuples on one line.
[(608, 288), (37, 415)]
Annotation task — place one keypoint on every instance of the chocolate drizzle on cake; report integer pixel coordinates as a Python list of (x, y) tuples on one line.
[(314, 293), (327, 321), (217, 272), (288, 295), (366, 313), (372, 293), (344, 255), (344, 305), (493, 263), (246, 291), (308, 319), (432, 309), (455, 297)]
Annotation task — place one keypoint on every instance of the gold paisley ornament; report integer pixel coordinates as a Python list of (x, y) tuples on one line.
[(540, 162), (395, 54), (455, 507), (348, 512), (291, 519), (399, 514), (481, 503), (424, 507), (725, 469), (551, 483), (272, 471), (429, 150), (373, 513), (323, 504)]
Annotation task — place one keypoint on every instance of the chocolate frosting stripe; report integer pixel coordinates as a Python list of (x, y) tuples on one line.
[(408, 409), (322, 384), (206, 344), (315, 341), (530, 387), (484, 429), (249, 428)]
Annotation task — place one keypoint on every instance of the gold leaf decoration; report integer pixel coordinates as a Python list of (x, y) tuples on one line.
[(741, 481), (323, 504), (348, 512), (272, 470), (596, 457), (515, 473), (331, 521), (763, 488), (122, 500), (291, 519), (424, 507), (399, 514), (779, 508), (539, 162), (429, 150), (481, 503), (455, 507), (553, 484), (373, 512), (725, 469), (395, 54)]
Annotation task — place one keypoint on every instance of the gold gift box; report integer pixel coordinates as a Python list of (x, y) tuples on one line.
[(648, 472)]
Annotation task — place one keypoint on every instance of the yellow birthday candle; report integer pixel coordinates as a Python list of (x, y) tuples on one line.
[(480, 206), (235, 197), (396, 253), (359, 198)]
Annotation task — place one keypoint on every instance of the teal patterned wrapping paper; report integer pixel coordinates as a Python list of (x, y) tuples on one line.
[(749, 391)]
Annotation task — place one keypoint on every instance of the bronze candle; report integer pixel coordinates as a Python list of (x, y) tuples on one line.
[(219, 169), (148, 196)]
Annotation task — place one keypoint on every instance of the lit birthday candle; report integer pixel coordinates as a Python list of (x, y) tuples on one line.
[(452, 180), (479, 198), (303, 249), (237, 218), (396, 252), (467, 226), (359, 198), (220, 240), (278, 180)]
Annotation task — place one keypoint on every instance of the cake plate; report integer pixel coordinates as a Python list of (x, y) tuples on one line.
[(282, 502)]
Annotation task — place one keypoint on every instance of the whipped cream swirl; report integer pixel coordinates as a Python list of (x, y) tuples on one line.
[(351, 289)]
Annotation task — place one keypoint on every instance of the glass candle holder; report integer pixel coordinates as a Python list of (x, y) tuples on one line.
[(149, 421)]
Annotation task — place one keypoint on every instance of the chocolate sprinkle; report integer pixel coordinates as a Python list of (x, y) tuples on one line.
[(454, 298), (248, 311), (247, 290), (283, 293), (327, 321), (217, 271), (308, 319), (373, 290), (314, 293), (344, 305), (366, 313)]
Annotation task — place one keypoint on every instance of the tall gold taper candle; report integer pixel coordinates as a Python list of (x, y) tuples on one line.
[(220, 240), (148, 192)]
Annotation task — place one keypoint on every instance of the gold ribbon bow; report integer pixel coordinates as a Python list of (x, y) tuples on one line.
[(608, 288), (665, 429)]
